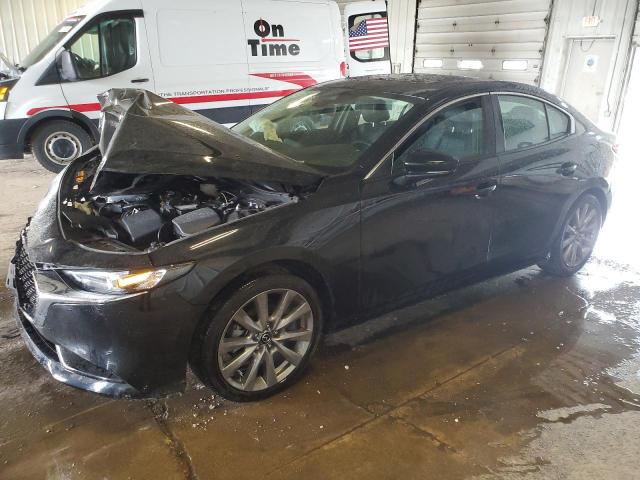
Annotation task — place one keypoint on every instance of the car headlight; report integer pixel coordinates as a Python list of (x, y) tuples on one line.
[(122, 282)]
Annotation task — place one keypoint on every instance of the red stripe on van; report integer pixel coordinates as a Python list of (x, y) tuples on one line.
[(223, 97), (267, 40), (80, 107), (297, 78)]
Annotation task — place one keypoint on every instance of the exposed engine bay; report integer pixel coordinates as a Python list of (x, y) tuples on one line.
[(143, 212)]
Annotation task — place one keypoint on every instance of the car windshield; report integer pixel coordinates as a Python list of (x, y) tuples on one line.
[(50, 41), (325, 128)]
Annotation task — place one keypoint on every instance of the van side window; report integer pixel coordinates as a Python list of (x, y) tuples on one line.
[(105, 49), (457, 131), (524, 121), (369, 37)]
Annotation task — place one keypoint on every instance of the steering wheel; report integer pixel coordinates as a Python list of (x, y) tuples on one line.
[(83, 64)]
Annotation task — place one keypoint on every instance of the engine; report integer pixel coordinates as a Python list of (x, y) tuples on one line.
[(150, 212)]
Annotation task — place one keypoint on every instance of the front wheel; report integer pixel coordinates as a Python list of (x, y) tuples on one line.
[(57, 143), (261, 339), (577, 238)]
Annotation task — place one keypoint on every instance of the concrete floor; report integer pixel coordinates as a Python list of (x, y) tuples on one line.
[(525, 376)]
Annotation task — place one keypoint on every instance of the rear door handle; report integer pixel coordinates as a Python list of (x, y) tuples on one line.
[(140, 80), (485, 189), (567, 169)]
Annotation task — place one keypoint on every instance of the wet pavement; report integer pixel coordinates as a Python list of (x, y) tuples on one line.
[(523, 376)]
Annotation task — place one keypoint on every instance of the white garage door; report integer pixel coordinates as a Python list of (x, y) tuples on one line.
[(503, 39)]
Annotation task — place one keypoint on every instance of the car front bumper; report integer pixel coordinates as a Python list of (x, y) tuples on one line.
[(119, 345)]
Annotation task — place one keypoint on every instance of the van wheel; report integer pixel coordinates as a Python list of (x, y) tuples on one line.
[(57, 143), (573, 247), (260, 340)]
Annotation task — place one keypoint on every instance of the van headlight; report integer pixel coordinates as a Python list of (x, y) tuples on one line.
[(123, 282), (4, 93), (5, 88)]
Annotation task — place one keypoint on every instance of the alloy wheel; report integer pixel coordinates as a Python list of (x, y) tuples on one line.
[(265, 340), (580, 234)]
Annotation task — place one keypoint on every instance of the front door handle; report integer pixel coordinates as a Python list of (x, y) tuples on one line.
[(140, 80), (567, 169), (485, 189)]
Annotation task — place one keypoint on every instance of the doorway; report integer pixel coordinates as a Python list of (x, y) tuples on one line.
[(586, 79), (620, 238)]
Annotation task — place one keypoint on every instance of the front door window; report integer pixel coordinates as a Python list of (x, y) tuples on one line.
[(105, 49)]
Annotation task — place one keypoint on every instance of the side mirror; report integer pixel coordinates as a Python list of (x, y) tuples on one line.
[(66, 66), (425, 164)]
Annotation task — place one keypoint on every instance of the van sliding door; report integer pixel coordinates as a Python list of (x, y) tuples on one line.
[(199, 56)]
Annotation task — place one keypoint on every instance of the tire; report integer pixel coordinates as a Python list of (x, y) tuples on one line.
[(577, 238), (57, 143), (234, 353)]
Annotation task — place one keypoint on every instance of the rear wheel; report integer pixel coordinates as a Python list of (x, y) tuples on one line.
[(261, 339), (577, 238), (57, 143)]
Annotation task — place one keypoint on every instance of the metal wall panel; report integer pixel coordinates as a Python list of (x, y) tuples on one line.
[(475, 33), (23, 23)]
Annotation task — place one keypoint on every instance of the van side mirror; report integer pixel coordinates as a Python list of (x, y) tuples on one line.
[(425, 164), (66, 66)]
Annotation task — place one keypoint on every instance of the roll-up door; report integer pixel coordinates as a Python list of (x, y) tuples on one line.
[(502, 40)]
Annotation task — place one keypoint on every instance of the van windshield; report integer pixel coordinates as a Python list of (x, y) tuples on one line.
[(325, 128), (50, 41)]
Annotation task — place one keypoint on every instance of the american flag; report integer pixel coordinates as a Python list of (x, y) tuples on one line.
[(369, 34)]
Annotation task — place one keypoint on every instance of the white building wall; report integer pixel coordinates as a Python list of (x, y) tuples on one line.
[(617, 21), (23, 23)]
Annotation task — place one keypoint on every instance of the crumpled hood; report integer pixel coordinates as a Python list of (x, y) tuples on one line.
[(143, 133)]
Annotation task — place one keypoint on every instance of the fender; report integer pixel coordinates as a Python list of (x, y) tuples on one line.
[(599, 184), (32, 122), (216, 281)]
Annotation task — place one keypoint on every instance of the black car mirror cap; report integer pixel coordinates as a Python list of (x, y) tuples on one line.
[(425, 164)]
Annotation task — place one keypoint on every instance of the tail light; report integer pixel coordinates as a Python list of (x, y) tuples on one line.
[(616, 148), (343, 69)]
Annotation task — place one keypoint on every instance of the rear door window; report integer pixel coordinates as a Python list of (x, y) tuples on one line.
[(369, 37), (524, 121)]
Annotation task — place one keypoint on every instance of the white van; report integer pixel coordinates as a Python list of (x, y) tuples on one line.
[(221, 58)]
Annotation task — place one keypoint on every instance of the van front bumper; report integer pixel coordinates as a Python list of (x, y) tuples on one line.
[(9, 133)]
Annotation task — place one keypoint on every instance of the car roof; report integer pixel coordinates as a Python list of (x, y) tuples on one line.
[(429, 87)]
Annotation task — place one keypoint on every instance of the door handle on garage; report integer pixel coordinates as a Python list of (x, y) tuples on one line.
[(140, 80), (567, 169), (485, 189)]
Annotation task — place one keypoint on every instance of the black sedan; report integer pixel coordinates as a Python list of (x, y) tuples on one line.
[(179, 242)]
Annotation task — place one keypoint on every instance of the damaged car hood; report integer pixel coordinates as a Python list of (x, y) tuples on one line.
[(143, 133)]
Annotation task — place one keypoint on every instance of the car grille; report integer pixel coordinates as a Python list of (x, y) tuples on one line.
[(44, 345), (25, 280)]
